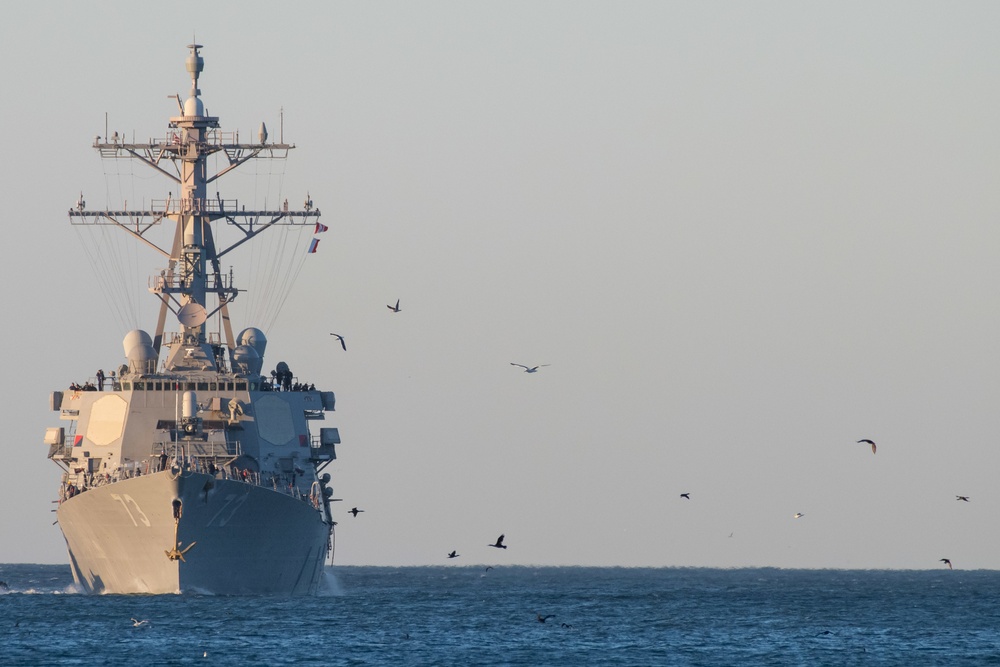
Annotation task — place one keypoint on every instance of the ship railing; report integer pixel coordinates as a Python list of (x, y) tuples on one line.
[(285, 483)]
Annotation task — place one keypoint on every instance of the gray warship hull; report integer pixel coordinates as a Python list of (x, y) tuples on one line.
[(246, 539), (190, 468)]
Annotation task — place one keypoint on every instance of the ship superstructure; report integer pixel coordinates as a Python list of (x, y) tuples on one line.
[(188, 468)]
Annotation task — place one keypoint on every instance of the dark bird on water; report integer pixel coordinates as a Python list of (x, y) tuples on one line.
[(454, 554), (866, 440), (565, 625), (686, 495), (542, 619), (355, 511), (529, 369), (395, 308), (341, 339), (965, 498), (499, 544), (948, 563)]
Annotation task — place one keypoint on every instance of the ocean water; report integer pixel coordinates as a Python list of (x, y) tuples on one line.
[(470, 616)]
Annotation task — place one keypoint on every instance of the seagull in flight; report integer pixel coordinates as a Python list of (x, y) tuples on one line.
[(686, 495), (948, 563), (798, 515), (355, 511), (529, 369), (866, 440), (965, 498), (454, 554), (136, 623), (395, 308), (499, 544), (341, 339)]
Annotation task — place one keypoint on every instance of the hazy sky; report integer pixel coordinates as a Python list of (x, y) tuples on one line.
[(743, 235)]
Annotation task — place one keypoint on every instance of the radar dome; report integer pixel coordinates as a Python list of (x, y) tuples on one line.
[(193, 106), (246, 359), (253, 337), (143, 357), (133, 338)]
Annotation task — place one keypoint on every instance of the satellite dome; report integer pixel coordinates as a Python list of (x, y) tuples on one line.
[(193, 106), (253, 337), (246, 357), (133, 338)]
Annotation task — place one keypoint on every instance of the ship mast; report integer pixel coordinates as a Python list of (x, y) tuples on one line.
[(193, 270)]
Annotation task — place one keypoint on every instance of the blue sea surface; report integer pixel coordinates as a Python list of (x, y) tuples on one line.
[(471, 616)]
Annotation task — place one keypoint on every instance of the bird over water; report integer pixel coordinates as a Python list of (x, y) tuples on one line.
[(529, 369), (499, 544), (869, 442)]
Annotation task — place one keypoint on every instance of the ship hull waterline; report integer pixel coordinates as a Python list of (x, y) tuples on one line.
[(247, 539)]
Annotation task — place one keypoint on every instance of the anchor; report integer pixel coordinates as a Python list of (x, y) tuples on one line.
[(176, 553)]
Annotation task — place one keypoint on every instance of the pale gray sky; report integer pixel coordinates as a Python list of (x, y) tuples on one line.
[(744, 235)]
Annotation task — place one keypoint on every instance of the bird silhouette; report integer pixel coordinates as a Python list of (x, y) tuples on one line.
[(454, 554), (565, 625), (355, 511), (798, 515), (499, 544), (948, 563), (542, 619), (965, 498), (395, 308), (686, 495), (341, 339), (866, 440), (529, 369)]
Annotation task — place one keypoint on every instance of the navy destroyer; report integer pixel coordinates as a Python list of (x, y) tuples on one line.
[(189, 468)]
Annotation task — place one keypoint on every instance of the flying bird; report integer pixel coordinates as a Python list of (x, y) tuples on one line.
[(355, 511), (529, 369), (136, 623), (948, 563), (965, 498), (798, 515), (686, 495), (341, 339), (395, 308), (866, 440), (499, 544), (454, 554), (542, 619)]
